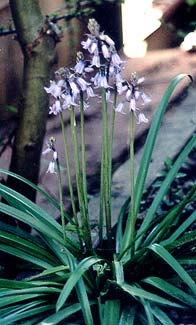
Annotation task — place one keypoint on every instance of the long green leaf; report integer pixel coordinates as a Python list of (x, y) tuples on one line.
[(51, 271), (171, 290), (161, 228), (187, 238), (35, 187), (8, 310), (68, 259), (22, 233), (188, 260), (148, 311), (128, 315), (161, 316), (38, 289), (61, 315), (28, 247), (119, 231), (19, 298), (20, 201), (181, 229), (14, 284), (151, 138), (27, 283), (41, 226), (141, 293), (25, 256), (82, 267), (165, 186), (169, 259), (26, 314), (111, 311), (38, 215), (84, 302)]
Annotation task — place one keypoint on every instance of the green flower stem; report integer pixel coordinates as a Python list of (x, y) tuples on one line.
[(86, 232), (61, 199), (111, 140), (66, 149), (83, 149), (105, 166), (101, 203), (129, 235), (109, 171)]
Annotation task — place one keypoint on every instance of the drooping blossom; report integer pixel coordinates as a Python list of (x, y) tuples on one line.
[(55, 108), (82, 65), (55, 88), (51, 148), (142, 118), (100, 79), (51, 168)]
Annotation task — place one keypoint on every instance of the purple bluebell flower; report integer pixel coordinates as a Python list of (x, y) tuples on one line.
[(100, 79), (51, 148), (55, 108), (55, 88), (133, 96)]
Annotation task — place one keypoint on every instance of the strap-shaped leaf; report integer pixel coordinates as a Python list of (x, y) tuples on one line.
[(144, 294), (181, 229), (165, 186), (21, 202), (161, 316), (26, 314), (151, 138), (28, 247), (170, 260), (81, 268), (111, 312), (37, 223), (171, 290)]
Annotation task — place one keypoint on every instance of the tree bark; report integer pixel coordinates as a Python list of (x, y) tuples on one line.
[(39, 53)]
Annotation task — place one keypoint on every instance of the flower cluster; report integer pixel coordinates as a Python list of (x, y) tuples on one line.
[(102, 69), (132, 96), (105, 66), (64, 91)]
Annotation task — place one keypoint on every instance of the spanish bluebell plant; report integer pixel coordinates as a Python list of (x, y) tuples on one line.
[(74, 279)]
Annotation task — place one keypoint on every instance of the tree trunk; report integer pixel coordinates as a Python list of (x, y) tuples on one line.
[(39, 53)]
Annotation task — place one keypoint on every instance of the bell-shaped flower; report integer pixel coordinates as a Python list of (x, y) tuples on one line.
[(87, 44), (146, 99), (82, 83), (120, 108), (74, 89), (100, 79), (142, 118), (80, 66), (55, 108), (68, 101), (51, 148), (115, 58), (55, 88), (96, 61), (105, 50), (106, 39), (90, 92), (51, 167)]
